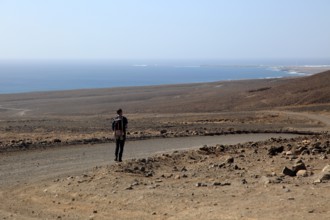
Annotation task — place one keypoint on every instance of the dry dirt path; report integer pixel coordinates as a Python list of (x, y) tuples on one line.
[(324, 119), (33, 166)]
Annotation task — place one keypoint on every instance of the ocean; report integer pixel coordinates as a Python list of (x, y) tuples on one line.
[(22, 77)]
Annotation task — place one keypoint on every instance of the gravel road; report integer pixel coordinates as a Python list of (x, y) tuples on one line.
[(31, 166)]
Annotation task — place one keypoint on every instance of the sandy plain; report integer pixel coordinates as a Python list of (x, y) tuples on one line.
[(234, 180)]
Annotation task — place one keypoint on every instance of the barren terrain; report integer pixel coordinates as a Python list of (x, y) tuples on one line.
[(56, 152)]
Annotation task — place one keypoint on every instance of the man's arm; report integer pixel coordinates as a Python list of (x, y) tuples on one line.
[(125, 122)]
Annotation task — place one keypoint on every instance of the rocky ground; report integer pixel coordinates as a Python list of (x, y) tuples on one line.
[(42, 132), (274, 179)]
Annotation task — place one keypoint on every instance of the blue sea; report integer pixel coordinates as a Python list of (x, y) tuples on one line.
[(34, 76)]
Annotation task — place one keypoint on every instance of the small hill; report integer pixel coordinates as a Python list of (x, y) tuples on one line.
[(302, 91), (240, 95)]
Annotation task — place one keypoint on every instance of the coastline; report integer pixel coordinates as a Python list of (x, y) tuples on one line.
[(212, 73)]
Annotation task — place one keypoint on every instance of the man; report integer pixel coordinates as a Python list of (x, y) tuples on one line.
[(119, 126)]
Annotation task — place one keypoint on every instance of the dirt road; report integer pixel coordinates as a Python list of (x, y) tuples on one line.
[(317, 117), (32, 166)]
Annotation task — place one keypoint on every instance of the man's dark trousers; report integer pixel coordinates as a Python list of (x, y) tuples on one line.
[(119, 149)]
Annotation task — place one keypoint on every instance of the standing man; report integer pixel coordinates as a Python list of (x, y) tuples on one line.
[(119, 126)]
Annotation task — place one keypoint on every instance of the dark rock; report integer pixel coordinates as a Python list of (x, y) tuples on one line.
[(129, 188), (201, 185), (216, 184), (301, 149), (230, 160), (273, 151), (226, 184), (163, 131), (222, 165), (184, 169), (299, 165), (57, 141), (288, 172)]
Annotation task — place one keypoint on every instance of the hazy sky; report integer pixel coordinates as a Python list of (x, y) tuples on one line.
[(162, 29)]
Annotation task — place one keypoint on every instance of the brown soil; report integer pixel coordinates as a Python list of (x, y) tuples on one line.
[(214, 182)]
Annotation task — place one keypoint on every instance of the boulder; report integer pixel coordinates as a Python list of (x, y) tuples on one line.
[(324, 175), (273, 151), (288, 172), (302, 173), (298, 165)]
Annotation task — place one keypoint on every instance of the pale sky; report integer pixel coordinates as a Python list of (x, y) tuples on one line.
[(164, 29)]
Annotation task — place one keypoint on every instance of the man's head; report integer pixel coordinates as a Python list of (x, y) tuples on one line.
[(120, 111)]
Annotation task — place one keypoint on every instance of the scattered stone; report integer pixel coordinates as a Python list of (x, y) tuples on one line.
[(201, 185), (278, 179), (288, 172), (216, 184), (299, 165), (288, 153), (324, 175), (135, 183), (57, 141), (264, 180), (302, 173), (129, 188), (175, 169), (226, 184), (324, 157), (273, 151), (286, 190), (230, 160), (221, 165)]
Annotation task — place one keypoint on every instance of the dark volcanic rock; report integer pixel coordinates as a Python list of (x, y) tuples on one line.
[(299, 165), (288, 172), (275, 150)]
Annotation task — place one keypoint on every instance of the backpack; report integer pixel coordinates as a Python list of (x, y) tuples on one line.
[(118, 127)]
